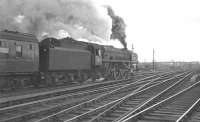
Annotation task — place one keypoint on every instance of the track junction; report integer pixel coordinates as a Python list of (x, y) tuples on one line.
[(141, 97)]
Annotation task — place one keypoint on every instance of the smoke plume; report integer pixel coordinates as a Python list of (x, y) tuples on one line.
[(118, 27), (78, 18)]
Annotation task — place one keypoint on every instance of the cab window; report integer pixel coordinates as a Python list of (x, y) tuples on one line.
[(98, 52)]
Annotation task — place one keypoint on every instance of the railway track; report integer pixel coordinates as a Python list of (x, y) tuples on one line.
[(192, 114), (56, 102), (99, 101), (114, 110), (30, 90), (175, 88), (172, 109), (32, 110), (19, 99)]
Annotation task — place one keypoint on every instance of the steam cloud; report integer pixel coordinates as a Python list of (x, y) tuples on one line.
[(118, 27), (78, 18)]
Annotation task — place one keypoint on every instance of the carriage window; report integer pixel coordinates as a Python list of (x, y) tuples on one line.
[(19, 51)]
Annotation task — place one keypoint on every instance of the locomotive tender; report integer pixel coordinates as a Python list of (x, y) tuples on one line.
[(24, 61)]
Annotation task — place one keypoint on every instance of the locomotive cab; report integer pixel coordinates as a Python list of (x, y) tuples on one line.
[(98, 57), (96, 51), (96, 60)]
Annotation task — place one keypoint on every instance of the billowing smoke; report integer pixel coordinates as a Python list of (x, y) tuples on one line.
[(77, 18), (118, 27)]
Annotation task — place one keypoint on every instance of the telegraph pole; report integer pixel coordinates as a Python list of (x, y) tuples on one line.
[(132, 55), (153, 60), (132, 48)]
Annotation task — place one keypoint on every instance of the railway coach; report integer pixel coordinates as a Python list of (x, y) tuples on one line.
[(19, 59)]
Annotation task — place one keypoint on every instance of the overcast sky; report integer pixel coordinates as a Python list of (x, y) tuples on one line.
[(171, 27)]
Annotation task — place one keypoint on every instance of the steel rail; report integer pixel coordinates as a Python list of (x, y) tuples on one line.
[(112, 96), (192, 114), (33, 97), (117, 110), (173, 89), (28, 114), (170, 109)]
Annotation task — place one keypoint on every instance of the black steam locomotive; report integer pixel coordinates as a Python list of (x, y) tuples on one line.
[(24, 61)]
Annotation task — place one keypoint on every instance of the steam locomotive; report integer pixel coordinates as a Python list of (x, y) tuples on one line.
[(24, 61)]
